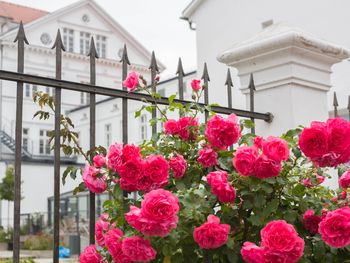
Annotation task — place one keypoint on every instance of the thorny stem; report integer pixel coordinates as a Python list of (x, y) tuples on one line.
[(156, 104)]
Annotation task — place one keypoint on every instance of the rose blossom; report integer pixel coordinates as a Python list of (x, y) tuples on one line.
[(222, 133), (94, 182), (138, 249), (187, 128), (196, 84), (101, 227), (211, 234), (344, 180), (266, 168), (244, 160), (171, 127), (114, 245), (339, 136), (99, 160), (224, 192), (281, 241), (311, 221), (313, 141), (217, 177), (335, 228), (132, 81), (207, 157), (258, 143), (130, 173), (114, 156), (90, 255), (276, 149), (251, 253), (157, 169), (178, 165)]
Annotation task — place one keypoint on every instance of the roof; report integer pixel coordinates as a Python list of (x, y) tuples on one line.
[(18, 13), (191, 9)]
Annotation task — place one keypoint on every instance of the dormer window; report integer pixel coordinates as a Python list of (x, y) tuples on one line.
[(68, 39), (84, 43)]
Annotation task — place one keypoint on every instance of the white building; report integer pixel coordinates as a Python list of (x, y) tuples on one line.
[(78, 23), (222, 24)]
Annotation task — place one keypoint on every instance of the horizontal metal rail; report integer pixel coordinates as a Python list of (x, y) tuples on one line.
[(117, 93)]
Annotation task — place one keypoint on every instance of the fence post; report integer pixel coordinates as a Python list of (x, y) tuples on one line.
[(58, 45), (21, 39), (93, 56), (206, 79), (292, 72), (154, 70)]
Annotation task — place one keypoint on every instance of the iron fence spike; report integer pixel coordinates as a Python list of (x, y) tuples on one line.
[(228, 79), (335, 100), (251, 82), (205, 75), (58, 42), (21, 35), (125, 57), (153, 65), (93, 52), (349, 102), (180, 69)]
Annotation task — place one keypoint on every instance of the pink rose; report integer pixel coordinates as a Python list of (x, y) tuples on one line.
[(138, 249), (343, 195), (258, 143), (207, 157), (313, 141), (339, 136), (307, 183), (178, 165), (276, 149), (222, 133), (211, 234), (90, 255), (281, 241), (224, 192), (157, 169), (266, 168), (101, 227), (251, 253), (114, 156), (160, 205), (187, 128), (335, 228), (113, 240), (196, 84), (93, 181), (131, 152), (244, 160), (344, 180), (311, 221), (148, 226), (132, 81), (130, 173), (99, 160), (171, 127), (217, 177), (320, 178)]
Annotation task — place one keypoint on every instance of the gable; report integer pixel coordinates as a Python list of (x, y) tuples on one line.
[(88, 17)]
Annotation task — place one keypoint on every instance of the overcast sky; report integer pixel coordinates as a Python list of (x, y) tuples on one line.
[(155, 23)]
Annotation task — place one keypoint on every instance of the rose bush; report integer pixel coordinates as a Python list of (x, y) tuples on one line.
[(213, 190)]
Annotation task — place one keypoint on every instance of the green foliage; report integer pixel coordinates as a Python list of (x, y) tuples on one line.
[(40, 241), (8, 184)]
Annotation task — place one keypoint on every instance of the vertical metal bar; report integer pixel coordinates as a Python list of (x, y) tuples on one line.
[(180, 73), (251, 95), (93, 55), (335, 104), (57, 162), (206, 79), (154, 70), (21, 38), (229, 85), (77, 218), (125, 62)]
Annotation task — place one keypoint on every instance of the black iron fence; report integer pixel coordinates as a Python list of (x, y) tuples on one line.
[(19, 77)]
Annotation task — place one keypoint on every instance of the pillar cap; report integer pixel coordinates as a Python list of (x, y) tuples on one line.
[(279, 36)]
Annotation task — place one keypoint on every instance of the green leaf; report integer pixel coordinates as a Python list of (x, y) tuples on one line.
[(171, 98)]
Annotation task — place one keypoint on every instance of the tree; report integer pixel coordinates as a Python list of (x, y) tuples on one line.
[(7, 189)]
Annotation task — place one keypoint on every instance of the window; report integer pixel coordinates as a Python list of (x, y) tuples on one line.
[(44, 144), (50, 91), (25, 140), (68, 39), (84, 43), (101, 46), (143, 127), (27, 90), (34, 89), (108, 133), (84, 98)]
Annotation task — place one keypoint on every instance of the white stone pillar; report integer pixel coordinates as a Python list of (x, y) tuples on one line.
[(291, 71)]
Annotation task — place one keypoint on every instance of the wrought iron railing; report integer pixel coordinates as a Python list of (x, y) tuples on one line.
[(19, 77)]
